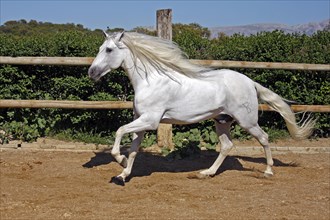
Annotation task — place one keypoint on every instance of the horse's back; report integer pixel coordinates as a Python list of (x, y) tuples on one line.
[(235, 82)]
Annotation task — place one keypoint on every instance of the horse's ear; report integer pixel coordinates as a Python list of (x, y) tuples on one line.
[(119, 36), (106, 35)]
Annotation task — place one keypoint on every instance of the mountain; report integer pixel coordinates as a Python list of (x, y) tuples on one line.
[(308, 28)]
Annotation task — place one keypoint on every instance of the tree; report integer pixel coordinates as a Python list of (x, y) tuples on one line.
[(147, 31), (194, 28), (114, 30), (193, 40)]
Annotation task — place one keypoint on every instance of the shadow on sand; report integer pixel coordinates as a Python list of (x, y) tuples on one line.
[(147, 163)]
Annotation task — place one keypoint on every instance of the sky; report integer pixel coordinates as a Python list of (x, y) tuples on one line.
[(130, 14)]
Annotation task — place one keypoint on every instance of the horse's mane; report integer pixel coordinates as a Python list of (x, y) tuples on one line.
[(163, 55)]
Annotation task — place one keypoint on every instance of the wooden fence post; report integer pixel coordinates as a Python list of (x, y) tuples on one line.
[(164, 30), (164, 23)]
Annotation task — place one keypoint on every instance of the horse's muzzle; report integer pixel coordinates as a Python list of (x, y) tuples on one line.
[(93, 73), (96, 73)]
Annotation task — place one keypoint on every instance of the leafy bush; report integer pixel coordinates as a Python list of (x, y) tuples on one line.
[(72, 83)]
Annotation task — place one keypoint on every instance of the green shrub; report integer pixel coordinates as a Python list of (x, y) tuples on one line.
[(72, 83)]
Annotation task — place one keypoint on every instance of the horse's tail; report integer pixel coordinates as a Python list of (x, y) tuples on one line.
[(278, 104)]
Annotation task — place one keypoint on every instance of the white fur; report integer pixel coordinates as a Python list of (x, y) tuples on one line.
[(170, 89)]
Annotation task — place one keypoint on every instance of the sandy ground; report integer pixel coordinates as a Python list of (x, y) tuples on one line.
[(76, 185)]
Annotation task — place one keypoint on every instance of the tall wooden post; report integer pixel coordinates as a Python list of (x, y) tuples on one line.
[(164, 23), (164, 30)]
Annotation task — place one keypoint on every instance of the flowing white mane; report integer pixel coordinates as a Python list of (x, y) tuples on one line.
[(161, 54)]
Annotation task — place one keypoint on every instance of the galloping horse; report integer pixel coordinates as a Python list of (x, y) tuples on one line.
[(170, 89)]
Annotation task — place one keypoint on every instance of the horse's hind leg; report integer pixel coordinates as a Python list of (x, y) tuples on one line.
[(223, 132), (262, 137)]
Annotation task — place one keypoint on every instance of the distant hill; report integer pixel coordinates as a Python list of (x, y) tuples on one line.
[(308, 28), (23, 27)]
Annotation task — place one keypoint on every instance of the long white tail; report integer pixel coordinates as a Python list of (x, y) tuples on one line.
[(277, 103)]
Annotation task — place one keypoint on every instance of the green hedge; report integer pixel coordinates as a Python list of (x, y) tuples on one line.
[(72, 83)]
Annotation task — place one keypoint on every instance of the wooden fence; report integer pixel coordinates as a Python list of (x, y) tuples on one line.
[(85, 61), (164, 133)]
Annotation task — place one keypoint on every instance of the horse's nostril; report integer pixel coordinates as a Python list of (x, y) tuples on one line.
[(91, 71)]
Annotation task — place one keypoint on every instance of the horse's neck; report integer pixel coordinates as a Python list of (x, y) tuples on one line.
[(137, 74)]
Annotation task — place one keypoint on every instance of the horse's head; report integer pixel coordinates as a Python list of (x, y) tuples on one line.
[(111, 55)]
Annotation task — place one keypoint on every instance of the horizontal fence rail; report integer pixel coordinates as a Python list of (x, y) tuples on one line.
[(262, 65), (9, 103), (65, 61), (85, 61)]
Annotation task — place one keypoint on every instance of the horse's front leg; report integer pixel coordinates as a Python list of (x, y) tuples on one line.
[(121, 159), (137, 138), (115, 152), (138, 126)]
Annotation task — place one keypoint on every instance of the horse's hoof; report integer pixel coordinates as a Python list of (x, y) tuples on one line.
[(198, 176), (268, 174), (118, 180), (123, 163)]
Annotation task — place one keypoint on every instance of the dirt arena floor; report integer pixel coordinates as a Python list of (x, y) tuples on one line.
[(76, 185)]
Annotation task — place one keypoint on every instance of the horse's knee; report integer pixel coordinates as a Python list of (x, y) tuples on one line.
[(264, 139), (121, 159), (226, 144), (119, 132)]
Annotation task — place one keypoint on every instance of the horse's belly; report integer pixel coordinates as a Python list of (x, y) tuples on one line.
[(189, 117)]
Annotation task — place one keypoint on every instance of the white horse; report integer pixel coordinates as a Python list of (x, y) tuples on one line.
[(170, 89)]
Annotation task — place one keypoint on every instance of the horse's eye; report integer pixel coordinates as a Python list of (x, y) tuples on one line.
[(108, 50)]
